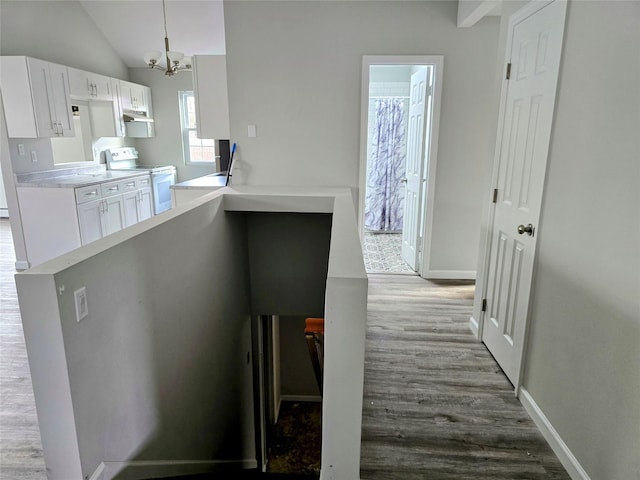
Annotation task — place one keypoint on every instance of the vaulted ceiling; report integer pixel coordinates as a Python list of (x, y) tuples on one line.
[(135, 26)]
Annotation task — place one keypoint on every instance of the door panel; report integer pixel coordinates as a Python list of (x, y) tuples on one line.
[(528, 113), (418, 111)]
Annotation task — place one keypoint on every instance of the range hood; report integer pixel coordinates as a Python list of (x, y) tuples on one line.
[(136, 117)]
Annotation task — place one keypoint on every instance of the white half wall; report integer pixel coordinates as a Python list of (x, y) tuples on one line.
[(294, 71)]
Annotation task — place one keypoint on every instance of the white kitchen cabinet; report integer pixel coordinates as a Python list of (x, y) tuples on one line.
[(89, 86), (90, 221), (56, 220), (36, 98), (117, 108), (211, 96), (134, 96)]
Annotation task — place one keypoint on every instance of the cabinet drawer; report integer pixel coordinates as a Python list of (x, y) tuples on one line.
[(143, 182), (129, 185), (111, 188), (87, 194)]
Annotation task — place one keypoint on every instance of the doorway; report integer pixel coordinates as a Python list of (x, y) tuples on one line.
[(400, 111)]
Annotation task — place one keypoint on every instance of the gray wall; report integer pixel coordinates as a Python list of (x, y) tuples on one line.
[(584, 348), (294, 70), (59, 32), (288, 262)]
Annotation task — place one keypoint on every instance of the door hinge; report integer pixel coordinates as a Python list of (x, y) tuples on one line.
[(484, 305), (509, 71), (495, 196), (429, 90)]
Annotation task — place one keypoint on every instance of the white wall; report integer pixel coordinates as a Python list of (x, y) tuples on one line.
[(584, 349), (294, 70)]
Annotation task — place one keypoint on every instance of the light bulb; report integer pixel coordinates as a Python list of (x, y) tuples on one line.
[(175, 57), (152, 57)]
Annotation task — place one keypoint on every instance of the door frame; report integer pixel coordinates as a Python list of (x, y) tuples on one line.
[(430, 156), (477, 324)]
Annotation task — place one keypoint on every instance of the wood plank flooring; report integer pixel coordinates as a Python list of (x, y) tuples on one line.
[(436, 405), (20, 446)]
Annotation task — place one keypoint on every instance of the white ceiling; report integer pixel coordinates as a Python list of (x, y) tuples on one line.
[(195, 27)]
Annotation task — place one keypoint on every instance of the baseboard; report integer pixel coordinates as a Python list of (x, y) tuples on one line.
[(450, 275), (474, 327), (300, 398), (137, 470), (568, 460)]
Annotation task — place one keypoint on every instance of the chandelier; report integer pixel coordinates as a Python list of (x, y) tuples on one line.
[(175, 61)]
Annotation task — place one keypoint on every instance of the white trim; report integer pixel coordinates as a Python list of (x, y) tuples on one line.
[(164, 468), (437, 61), (473, 326), (301, 398), (553, 438), (97, 474), (450, 274)]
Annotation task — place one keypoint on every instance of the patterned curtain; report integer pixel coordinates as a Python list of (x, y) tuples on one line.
[(384, 199)]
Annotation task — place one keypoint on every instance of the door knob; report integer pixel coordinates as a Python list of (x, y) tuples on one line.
[(528, 230), (404, 180)]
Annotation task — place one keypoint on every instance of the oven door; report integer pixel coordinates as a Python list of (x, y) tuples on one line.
[(162, 190)]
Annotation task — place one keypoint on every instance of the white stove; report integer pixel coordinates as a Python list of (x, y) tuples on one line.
[(162, 176)]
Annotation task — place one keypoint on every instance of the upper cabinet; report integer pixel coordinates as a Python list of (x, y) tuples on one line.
[(36, 98), (134, 97), (212, 99), (89, 86)]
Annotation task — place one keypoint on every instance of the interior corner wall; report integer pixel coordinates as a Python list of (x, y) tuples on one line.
[(59, 32), (288, 262), (294, 70), (584, 342)]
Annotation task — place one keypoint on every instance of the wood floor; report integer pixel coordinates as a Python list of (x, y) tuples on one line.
[(436, 405), (20, 447)]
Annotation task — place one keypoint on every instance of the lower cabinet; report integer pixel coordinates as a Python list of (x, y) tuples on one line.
[(57, 220)]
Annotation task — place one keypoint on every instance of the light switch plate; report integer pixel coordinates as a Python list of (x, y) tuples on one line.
[(82, 308), (252, 131)]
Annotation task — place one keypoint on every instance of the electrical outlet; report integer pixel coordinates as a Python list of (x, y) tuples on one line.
[(82, 307), (34, 156), (21, 149)]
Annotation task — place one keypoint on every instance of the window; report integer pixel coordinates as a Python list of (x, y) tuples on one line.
[(197, 151)]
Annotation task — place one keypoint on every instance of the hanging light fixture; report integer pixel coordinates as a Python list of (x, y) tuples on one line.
[(176, 61)]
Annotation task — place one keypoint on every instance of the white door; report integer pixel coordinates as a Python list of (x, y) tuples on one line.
[(418, 119), (534, 57), (145, 204), (130, 200), (113, 215)]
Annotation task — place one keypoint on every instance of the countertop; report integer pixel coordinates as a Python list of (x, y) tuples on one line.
[(76, 180), (208, 182)]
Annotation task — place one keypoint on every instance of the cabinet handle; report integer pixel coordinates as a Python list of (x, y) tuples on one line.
[(131, 184), (113, 189), (61, 132), (91, 194)]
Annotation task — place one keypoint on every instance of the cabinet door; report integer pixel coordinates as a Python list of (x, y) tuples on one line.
[(42, 93), (79, 84), (212, 101), (102, 87), (130, 200), (113, 214), (145, 204), (90, 221), (61, 100)]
